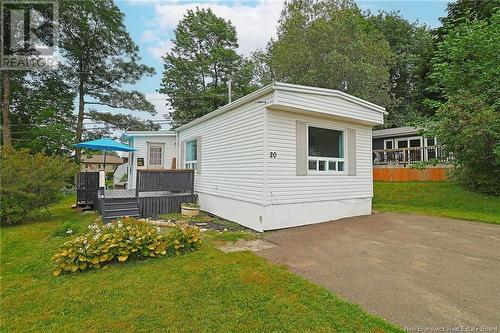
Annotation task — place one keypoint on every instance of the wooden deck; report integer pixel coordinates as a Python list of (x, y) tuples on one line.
[(130, 194)]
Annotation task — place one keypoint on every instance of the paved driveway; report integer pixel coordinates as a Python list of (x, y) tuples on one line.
[(410, 269)]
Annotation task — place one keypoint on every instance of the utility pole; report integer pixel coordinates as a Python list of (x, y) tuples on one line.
[(229, 89), (5, 110)]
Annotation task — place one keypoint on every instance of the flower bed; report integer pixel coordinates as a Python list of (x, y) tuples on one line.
[(123, 240)]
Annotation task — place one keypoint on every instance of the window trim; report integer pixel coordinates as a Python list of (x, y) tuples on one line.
[(155, 144), (327, 159), (193, 164)]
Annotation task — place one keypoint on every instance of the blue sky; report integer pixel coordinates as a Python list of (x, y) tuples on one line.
[(151, 25)]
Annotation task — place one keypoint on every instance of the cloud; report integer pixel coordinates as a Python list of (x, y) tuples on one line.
[(149, 36), (255, 24), (160, 48)]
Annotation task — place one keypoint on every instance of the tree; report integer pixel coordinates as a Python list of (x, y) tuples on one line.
[(462, 11), (6, 136), (201, 63), (412, 45), (99, 58), (42, 112), (330, 44), (465, 72)]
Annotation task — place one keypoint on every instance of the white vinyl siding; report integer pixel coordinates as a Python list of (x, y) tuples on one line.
[(141, 144), (283, 184), (232, 153), (328, 105)]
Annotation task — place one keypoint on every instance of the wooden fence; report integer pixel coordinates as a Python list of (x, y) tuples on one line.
[(401, 174), (87, 186)]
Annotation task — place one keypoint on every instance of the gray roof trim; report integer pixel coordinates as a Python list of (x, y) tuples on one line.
[(397, 131), (130, 134)]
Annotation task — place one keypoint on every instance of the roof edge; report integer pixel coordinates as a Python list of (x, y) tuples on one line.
[(286, 87)]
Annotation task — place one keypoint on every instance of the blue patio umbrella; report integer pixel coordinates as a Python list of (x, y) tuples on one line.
[(104, 144)]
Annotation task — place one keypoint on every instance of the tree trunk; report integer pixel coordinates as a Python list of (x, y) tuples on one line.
[(81, 111), (5, 111)]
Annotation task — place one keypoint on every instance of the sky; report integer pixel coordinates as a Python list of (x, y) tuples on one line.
[(151, 25)]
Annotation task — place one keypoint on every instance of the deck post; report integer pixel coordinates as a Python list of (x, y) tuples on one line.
[(137, 184)]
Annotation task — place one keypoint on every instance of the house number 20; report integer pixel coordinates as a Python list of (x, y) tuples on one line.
[(273, 154)]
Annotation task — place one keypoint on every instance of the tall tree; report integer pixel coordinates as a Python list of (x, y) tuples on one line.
[(466, 74), (100, 58), (6, 136), (330, 44), (462, 11), (412, 45), (42, 112), (201, 63)]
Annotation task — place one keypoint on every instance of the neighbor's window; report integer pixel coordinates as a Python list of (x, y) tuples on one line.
[(155, 155), (326, 150), (191, 154)]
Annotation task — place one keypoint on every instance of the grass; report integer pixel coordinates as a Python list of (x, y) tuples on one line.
[(206, 290), (436, 198)]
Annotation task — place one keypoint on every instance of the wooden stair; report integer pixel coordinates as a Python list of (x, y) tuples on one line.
[(115, 208)]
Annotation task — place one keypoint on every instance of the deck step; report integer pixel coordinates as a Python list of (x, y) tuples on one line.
[(121, 200), (116, 208), (120, 205)]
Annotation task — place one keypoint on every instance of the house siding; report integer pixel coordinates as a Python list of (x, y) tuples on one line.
[(330, 105), (141, 144), (285, 187), (231, 151)]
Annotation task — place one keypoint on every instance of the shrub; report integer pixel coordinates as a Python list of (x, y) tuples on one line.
[(122, 240), (30, 182)]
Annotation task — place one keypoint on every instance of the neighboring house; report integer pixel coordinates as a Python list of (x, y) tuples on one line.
[(155, 150), (405, 145), (283, 156), (96, 163)]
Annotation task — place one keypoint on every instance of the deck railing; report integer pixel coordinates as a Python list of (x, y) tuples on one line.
[(410, 155), (165, 180)]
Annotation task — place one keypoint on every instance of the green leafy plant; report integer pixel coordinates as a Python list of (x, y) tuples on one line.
[(120, 241), (31, 182), (424, 164), (190, 205)]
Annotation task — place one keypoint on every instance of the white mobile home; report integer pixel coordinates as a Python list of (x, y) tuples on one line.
[(283, 156), (155, 150)]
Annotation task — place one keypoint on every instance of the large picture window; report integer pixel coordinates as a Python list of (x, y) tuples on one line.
[(191, 155), (326, 150)]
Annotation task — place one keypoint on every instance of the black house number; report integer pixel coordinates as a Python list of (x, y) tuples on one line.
[(273, 154)]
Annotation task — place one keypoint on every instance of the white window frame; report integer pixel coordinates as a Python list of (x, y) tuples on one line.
[(155, 145), (388, 140), (328, 159), (192, 164)]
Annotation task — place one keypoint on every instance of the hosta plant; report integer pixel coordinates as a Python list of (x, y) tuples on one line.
[(120, 241)]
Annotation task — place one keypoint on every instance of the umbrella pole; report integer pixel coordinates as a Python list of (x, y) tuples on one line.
[(105, 162)]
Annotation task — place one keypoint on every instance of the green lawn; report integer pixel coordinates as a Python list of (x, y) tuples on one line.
[(206, 290), (436, 198)]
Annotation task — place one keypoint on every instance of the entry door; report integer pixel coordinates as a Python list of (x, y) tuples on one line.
[(155, 156)]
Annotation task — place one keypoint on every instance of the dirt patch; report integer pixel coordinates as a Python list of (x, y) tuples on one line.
[(246, 245)]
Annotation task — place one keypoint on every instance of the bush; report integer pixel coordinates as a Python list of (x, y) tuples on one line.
[(122, 240), (30, 182)]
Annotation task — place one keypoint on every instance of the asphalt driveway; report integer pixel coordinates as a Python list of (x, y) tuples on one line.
[(417, 271)]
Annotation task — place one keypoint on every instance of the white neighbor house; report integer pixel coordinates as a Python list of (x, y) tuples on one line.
[(283, 156)]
